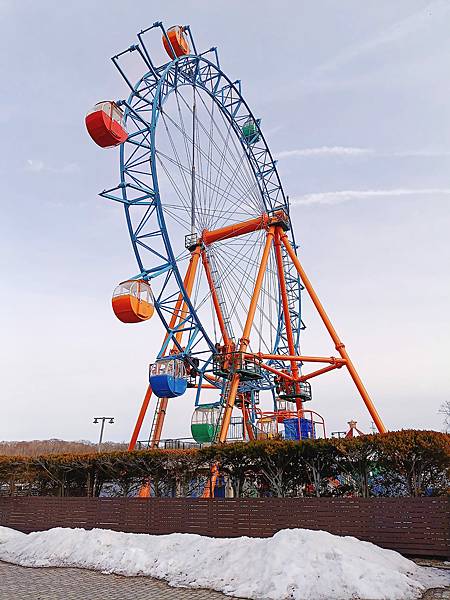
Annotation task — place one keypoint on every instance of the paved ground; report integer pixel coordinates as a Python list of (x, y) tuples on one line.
[(437, 595), (20, 583)]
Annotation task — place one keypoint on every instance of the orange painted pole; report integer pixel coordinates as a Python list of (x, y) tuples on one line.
[(245, 340), (190, 278), (176, 310), (300, 358), (287, 314), (334, 336), (225, 233), (144, 491), (215, 299), (205, 386), (275, 371), (188, 285), (319, 372), (247, 425), (208, 492), (161, 407), (140, 419)]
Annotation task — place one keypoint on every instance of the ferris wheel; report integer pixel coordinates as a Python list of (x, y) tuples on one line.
[(216, 254)]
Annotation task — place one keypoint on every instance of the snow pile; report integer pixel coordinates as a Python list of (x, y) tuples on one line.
[(6, 535), (296, 564)]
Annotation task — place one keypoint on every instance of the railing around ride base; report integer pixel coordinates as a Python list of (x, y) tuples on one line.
[(266, 428), (170, 444)]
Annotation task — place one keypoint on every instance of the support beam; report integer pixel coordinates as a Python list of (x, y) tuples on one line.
[(287, 315), (299, 358), (275, 371), (334, 336), (320, 372), (180, 313), (247, 426), (188, 285), (208, 492), (231, 231), (245, 340), (161, 410), (140, 419), (215, 299), (279, 218)]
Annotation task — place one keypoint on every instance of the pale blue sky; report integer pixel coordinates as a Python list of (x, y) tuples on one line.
[(354, 102)]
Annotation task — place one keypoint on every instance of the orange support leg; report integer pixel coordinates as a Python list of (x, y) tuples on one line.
[(208, 492), (247, 425), (144, 491), (245, 340), (140, 419), (161, 409), (334, 336), (287, 315), (215, 299), (180, 315)]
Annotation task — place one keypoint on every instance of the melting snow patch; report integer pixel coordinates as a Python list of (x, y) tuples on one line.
[(294, 564)]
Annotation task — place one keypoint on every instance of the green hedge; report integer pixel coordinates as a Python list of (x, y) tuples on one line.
[(402, 463)]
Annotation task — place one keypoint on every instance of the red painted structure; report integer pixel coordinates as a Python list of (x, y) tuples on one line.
[(353, 430), (104, 124)]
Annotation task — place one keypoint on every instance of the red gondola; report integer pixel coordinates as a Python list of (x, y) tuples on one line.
[(104, 124)]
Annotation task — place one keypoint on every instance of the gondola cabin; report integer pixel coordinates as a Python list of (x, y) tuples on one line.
[(299, 428), (250, 131), (204, 423), (179, 41), (266, 427), (168, 377), (105, 124), (132, 301)]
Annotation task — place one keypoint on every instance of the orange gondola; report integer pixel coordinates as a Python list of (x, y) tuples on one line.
[(104, 124), (132, 301), (179, 41)]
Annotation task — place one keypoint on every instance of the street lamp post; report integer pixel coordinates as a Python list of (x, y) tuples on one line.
[(102, 428)]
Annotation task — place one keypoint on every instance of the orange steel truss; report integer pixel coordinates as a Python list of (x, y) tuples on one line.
[(275, 226)]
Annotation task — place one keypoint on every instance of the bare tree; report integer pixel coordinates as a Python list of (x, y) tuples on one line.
[(55, 446), (445, 410)]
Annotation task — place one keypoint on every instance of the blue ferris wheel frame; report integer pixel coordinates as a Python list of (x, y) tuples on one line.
[(149, 94)]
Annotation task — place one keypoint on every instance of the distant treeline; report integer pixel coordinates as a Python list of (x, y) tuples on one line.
[(403, 463), (54, 446)]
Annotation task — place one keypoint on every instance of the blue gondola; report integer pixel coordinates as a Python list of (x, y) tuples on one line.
[(299, 428), (168, 378)]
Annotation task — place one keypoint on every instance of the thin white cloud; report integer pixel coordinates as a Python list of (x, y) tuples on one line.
[(409, 25), (38, 166), (357, 151), (341, 196), (325, 151)]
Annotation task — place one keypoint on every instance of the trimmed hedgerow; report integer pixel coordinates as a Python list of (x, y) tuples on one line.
[(402, 463)]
